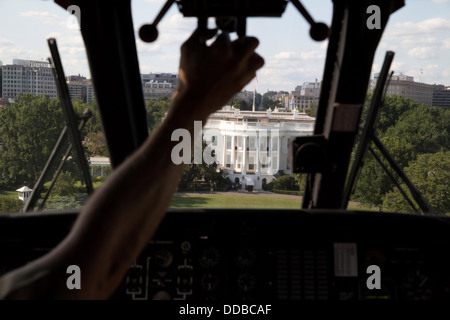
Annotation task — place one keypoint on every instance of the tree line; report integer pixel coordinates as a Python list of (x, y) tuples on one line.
[(417, 136)]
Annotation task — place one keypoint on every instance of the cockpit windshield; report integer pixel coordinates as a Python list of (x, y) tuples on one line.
[(245, 150)]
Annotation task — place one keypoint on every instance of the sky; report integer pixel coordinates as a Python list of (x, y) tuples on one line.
[(418, 33)]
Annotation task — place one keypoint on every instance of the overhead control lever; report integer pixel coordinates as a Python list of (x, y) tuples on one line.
[(149, 32), (235, 13), (319, 31)]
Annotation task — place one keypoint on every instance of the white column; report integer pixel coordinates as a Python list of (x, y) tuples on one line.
[(232, 154), (271, 153), (257, 154), (279, 152), (224, 151), (244, 156)]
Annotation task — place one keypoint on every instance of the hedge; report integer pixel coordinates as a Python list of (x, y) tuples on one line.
[(289, 192)]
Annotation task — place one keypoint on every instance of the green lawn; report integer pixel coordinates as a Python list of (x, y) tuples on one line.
[(233, 201), (9, 194), (248, 201)]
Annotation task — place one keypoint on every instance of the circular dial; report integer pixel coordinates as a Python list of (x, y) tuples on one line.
[(163, 258), (246, 258), (210, 257), (417, 285), (246, 282), (210, 281)]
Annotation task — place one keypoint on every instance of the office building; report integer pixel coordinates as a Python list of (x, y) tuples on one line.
[(28, 76), (405, 86), (441, 96), (80, 87)]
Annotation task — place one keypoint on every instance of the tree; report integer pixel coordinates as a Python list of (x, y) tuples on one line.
[(392, 109), (94, 123), (268, 102), (312, 110), (419, 130), (430, 173), (241, 104), (156, 109), (299, 180), (64, 186), (258, 99), (95, 143), (29, 129), (408, 129), (208, 174), (372, 183)]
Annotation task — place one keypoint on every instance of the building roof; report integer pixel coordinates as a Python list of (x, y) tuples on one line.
[(99, 161), (24, 189), (260, 115)]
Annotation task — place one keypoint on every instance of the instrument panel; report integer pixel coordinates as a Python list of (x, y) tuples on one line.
[(290, 255), (266, 255)]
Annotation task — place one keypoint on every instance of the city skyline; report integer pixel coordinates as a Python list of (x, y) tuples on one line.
[(418, 33)]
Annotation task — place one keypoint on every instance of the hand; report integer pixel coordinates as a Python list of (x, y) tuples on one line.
[(212, 75)]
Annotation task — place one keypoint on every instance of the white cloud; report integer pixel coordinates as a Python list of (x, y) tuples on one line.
[(156, 1), (177, 23), (423, 33), (286, 55), (45, 17), (6, 42), (428, 42), (285, 70), (446, 44), (397, 66), (423, 53), (440, 1)]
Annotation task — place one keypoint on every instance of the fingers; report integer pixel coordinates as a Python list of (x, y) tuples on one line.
[(245, 46), (255, 61), (222, 40), (197, 39)]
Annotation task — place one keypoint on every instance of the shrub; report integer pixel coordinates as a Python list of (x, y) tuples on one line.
[(289, 192), (286, 182), (10, 204)]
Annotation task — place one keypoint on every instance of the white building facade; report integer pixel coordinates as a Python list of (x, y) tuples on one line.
[(28, 76), (252, 146)]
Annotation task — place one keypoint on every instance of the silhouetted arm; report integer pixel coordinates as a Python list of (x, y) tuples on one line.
[(122, 215)]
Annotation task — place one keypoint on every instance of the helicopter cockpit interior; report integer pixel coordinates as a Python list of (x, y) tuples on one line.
[(320, 251)]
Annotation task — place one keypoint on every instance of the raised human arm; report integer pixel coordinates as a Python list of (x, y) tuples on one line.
[(124, 213)]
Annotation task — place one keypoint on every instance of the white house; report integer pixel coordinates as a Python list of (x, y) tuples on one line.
[(252, 146)]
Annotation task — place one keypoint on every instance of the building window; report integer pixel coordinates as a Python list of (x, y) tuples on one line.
[(239, 142), (229, 142), (239, 162), (275, 144), (228, 162), (251, 142), (251, 163), (274, 162)]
